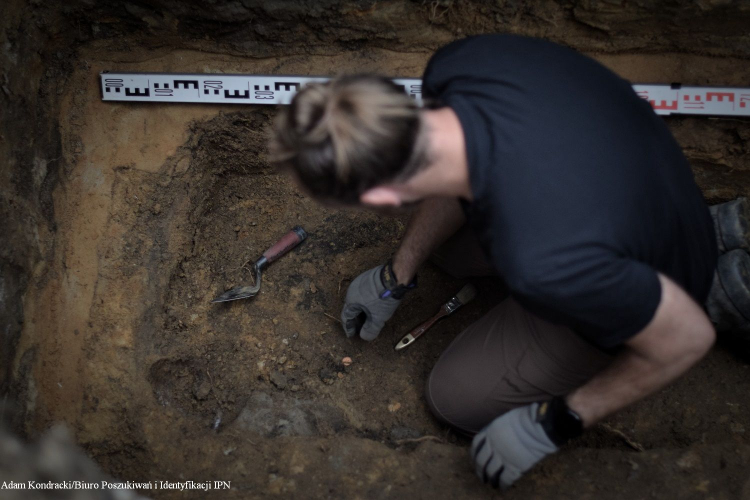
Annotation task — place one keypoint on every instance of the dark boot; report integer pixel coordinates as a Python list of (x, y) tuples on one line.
[(728, 303), (732, 225)]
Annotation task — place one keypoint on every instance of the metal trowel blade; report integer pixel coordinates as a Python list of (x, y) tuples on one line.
[(241, 292)]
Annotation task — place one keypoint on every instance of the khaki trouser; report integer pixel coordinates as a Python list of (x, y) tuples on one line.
[(508, 358)]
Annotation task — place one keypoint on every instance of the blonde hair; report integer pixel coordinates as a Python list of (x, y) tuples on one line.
[(350, 134)]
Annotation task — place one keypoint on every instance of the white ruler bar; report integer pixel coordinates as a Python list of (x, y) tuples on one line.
[(216, 88), (267, 89)]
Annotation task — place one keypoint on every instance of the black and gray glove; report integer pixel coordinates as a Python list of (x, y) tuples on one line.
[(371, 300), (515, 441)]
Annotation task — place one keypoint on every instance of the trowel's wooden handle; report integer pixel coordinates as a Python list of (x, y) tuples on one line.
[(290, 240)]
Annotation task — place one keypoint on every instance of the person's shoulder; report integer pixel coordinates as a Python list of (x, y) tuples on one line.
[(487, 53), (493, 42)]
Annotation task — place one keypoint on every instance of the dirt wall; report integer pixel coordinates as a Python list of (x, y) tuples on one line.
[(120, 221)]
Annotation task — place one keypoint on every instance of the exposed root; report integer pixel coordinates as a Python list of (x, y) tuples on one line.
[(421, 439), (633, 444)]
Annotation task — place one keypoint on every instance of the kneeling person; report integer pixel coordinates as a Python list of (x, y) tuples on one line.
[(538, 164)]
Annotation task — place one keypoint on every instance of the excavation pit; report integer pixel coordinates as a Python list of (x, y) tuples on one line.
[(127, 219)]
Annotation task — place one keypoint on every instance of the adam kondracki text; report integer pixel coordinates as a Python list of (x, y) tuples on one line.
[(106, 485)]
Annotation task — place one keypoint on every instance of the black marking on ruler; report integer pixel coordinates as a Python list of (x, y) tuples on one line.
[(212, 84), (265, 94), (137, 92), (186, 84), (112, 83), (236, 94), (287, 86)]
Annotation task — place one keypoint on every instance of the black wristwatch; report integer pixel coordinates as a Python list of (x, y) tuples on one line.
[(559, 422), (390, 282)]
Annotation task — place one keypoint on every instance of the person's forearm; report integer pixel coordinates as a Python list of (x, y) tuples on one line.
[(679, 335), (433, 222), (629, 378)]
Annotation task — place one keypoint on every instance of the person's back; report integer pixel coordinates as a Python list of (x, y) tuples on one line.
[(573, 175)]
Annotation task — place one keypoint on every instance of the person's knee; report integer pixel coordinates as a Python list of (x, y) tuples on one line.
[(448, 406), (436, 396), (464, 405), (432, 403)]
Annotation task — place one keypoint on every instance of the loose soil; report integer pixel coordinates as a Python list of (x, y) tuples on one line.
[(161, 207)]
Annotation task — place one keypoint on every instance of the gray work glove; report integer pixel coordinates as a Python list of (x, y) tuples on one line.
[(509, 446), (369, 296)]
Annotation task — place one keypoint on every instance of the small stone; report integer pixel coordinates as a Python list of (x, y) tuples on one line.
[(285, 341), (326, 376), (689, 460), (346, 361), (295, 336), (294, 388), (201, 392), (282, 360), (278, 379), (340, 375), (275, 321), (156, 209), (394, 407), (313, 288), (237, 229)]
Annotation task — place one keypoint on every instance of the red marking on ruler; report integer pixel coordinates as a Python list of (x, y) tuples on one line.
[(697, 103), (663, 105), (720, 96)]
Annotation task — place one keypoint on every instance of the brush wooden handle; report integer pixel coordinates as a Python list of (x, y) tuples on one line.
[(290, 240), (418, 331)]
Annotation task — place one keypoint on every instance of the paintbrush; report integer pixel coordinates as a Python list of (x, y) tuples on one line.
[(464, 296)]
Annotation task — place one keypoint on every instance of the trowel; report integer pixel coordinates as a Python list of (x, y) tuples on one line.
[(290, 240)]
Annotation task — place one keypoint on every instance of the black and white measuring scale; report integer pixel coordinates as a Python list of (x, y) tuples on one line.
[(265, 89)]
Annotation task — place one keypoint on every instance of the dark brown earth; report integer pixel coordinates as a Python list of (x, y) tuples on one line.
[(121, 222)]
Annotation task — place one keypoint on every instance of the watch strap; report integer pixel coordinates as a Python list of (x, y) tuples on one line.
[(390, 282), (559, 422)]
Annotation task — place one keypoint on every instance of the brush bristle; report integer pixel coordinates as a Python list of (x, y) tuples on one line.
[(466, 294)]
